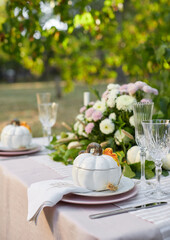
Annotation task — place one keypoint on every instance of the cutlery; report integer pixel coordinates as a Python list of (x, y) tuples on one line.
[(125, 210)]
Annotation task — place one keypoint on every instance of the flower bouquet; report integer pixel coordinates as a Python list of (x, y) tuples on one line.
[(109, 121)]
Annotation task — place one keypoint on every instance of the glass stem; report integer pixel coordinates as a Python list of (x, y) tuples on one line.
[(47, 133), (142, 159), (158, 170)]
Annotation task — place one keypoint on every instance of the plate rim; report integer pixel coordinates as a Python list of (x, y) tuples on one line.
[(19, 153), (106, 200), (88, 194), (31, 147)]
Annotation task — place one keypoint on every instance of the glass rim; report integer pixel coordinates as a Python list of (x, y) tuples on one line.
[(143, 103), (156, 121)]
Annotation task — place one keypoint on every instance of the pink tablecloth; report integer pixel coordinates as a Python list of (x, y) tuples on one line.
[(64, 221)]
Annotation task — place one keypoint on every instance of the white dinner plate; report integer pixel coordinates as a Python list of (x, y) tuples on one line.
[(30, 147), (126, 184), (76, 199)]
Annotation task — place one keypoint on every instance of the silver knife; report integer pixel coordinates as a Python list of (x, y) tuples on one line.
[(125, 210)]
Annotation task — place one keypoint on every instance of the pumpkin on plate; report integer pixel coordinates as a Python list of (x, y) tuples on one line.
[(16, 135), (96, 171)]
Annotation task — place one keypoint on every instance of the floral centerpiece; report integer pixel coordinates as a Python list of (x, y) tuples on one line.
[(109, 121)]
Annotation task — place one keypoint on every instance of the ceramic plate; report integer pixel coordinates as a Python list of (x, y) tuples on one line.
[(75, 199), (21, 152), (126, 184), (30, 147)]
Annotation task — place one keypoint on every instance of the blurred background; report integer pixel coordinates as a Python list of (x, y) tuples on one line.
[(67, 47)]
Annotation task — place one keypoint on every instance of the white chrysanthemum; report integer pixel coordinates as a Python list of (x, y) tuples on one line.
[(107, 126), (132, 121), (113, 86), (111, 102), (80, 117), (112, 98), (114, 92), (120, 137), (112, 116), (79, 128), (100, 105), (125, 102)]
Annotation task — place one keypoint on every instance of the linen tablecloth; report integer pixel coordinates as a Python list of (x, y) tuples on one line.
[(64, 221)]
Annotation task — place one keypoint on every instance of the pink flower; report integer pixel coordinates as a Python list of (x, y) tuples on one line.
[(82, 109), (145, 100), (132, 89), (89, 112), (91, 103), (97, 115), (155, 91), (123, 88), (148, 89), (140, 84), (105, 95), (89, 127)]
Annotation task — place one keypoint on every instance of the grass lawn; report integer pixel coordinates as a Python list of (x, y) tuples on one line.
[(18, 100)]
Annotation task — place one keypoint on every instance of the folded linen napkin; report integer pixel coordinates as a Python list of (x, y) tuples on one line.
[(47, 194)]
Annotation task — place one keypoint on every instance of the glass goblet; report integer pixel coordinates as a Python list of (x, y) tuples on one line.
[(43, 97), (47, 116), (142, 111), (157, 136)]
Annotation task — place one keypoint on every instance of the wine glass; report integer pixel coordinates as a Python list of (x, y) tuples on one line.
[(142, 111), (47, 116), (157, 135), (44, 97)]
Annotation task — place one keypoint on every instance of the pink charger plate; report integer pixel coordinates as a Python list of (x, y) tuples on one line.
[(21, 152), (77, 199)]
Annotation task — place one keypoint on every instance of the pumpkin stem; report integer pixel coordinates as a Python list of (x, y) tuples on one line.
[(94, 148), (15, 122)]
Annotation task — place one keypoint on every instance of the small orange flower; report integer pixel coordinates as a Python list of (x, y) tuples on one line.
[(109, 151), (24, 124)]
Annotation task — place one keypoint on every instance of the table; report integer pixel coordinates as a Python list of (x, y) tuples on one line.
[(64, 221)]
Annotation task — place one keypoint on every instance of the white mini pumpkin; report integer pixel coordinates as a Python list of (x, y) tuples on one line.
[(166, 162), (95, 171), (15, 136), (133, 155)]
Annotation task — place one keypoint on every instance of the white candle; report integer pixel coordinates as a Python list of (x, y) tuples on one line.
[(86, 98)]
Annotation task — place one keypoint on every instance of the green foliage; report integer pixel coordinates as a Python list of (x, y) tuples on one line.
[(134, 170)]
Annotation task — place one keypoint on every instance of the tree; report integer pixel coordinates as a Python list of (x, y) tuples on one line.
[(93, 39)]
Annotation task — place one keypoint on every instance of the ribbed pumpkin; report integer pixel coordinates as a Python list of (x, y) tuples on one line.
[(96, 171), (16, 135)]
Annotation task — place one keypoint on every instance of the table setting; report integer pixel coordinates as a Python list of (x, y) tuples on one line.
[(91, 168)]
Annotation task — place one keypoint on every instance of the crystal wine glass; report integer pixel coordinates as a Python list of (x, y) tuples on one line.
[(43, 97), (142, 111), (47, 116), (157, 135)]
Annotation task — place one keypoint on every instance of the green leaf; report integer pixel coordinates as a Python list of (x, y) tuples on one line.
[(149, 164), (165, 173), (95, 92), (164, 102), (53, 141), (120, 155), (127, 171), (71, 153), (160, 52), (136, 167), (149, 173)]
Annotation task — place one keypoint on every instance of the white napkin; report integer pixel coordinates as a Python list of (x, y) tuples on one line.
[(47, 194)]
